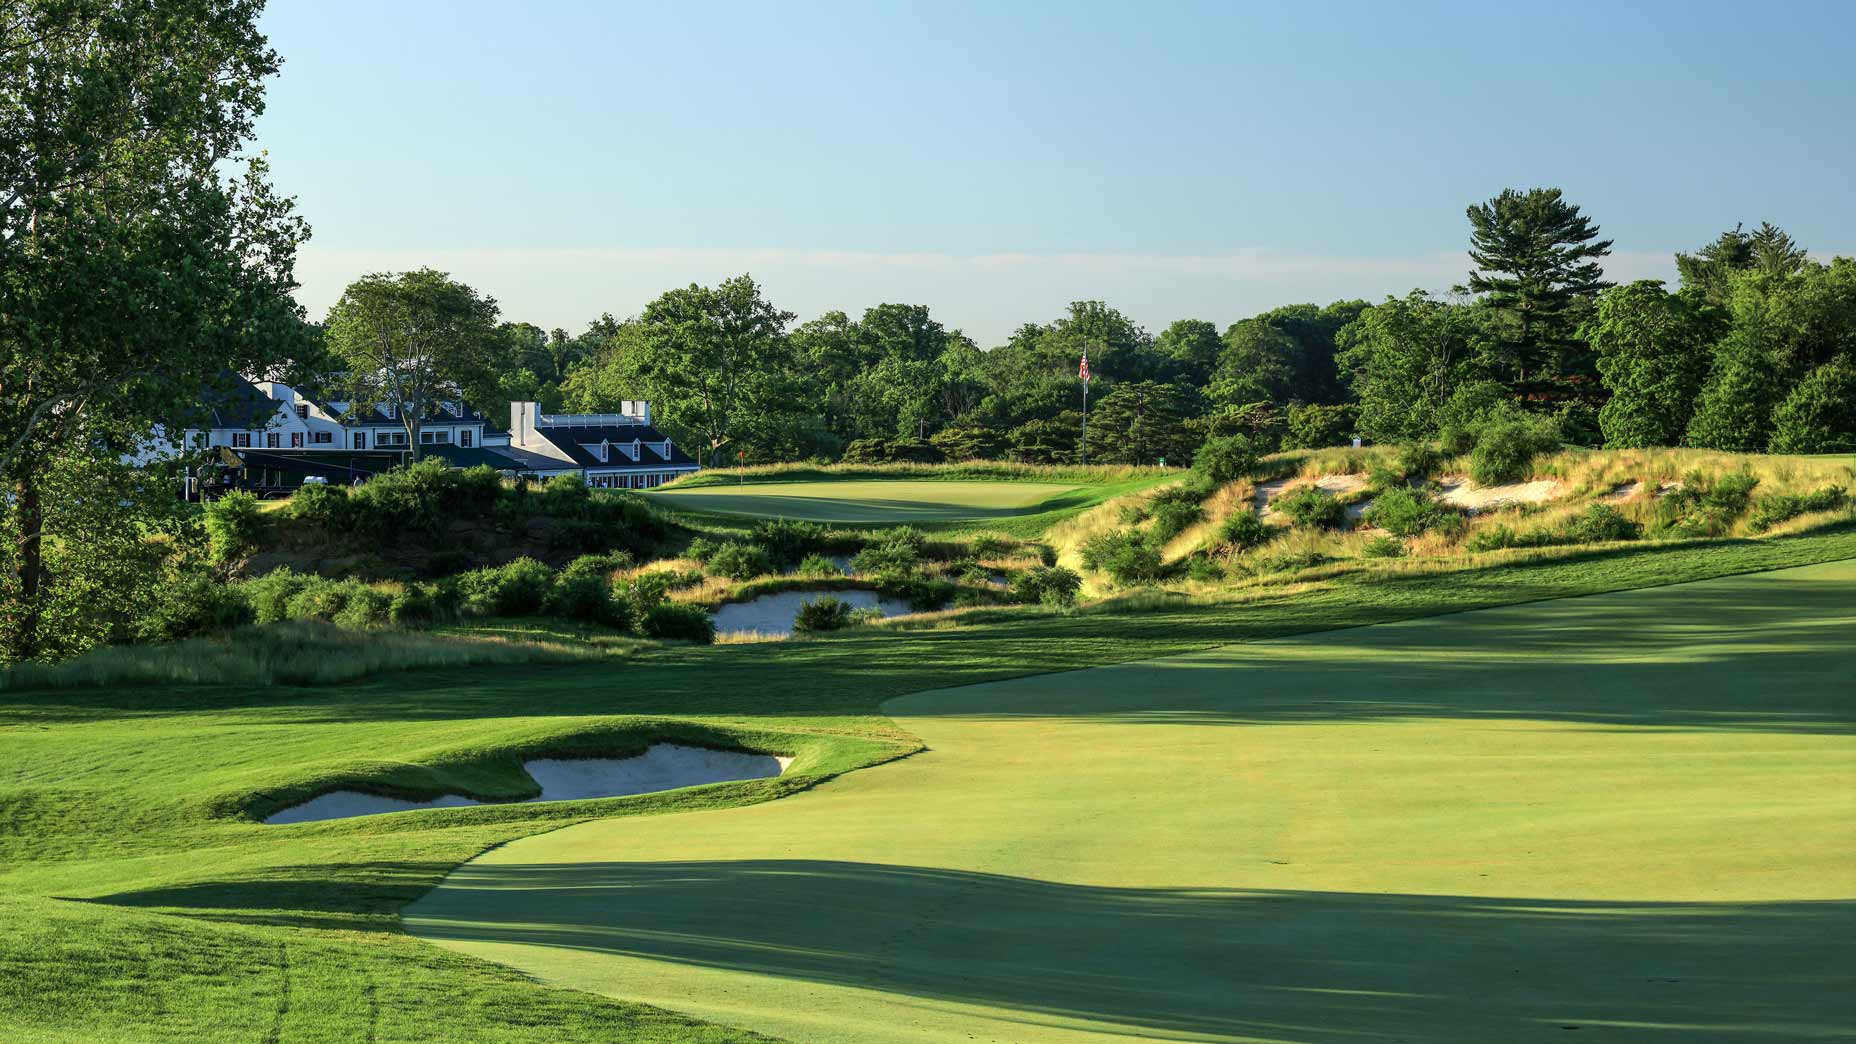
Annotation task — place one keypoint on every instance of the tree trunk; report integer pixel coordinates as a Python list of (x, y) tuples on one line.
[(28, 569)]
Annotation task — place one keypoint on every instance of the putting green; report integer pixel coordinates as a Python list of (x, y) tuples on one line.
[(1630, 814), (870, 500)]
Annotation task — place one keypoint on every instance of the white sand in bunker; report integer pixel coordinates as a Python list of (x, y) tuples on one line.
[(665, 766), (1336, 485), (1462, 493)]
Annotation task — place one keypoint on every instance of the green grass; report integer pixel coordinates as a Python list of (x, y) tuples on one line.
[(1018, 501), (141, 900), (1628, 810)]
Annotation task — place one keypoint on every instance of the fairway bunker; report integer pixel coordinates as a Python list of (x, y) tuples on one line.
[(665, 766), (772, 614)]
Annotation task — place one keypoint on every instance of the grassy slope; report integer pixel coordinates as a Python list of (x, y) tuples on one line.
[(1466, 828), (125, 802)]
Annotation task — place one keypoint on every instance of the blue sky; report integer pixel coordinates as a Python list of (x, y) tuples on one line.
[(995, 161)]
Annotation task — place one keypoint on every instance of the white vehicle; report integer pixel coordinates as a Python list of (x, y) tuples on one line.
[(315, 480)]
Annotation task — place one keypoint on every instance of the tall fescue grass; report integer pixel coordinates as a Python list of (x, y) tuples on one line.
[(296, 652)]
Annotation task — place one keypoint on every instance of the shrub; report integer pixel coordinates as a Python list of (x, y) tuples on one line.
[(1244, 530), (701, 550), (818, 566), (787, 541), (891, 558), (1172, 518), (922, 593), (364, 607), (320, 505), (1704, 507), (269, 595), (1419, 460), (1407, 512), (1132, 514), (1311, 507), (1384, 547), (234, 525), (600, 566), (990, 547), (824, 613), (193, 603), (740, 561), (672, 621), (1046, 554), (586, 598), (1819, 416), (1046, 585), (519, 588), (413, 607), (1313, 427), (1127, 557), (1782, 507), (1601, 523), (1225, 459), (1506, 449)]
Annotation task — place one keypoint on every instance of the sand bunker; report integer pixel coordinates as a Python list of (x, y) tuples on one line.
[(772, 615), (1459, 492), (1334, 484), (666, 766)]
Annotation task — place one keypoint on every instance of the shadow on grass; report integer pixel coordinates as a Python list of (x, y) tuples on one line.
[(332, 895), (1304, 966), (1786, 642)]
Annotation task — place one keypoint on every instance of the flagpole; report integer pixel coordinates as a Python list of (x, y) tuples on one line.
[(1083, 373)]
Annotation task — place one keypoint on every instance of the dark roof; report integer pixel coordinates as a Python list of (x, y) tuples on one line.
[(238, 403), (497, 457), (375, 415), (333, 466), (569, 439)]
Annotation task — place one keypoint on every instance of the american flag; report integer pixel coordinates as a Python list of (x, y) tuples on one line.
[(1084, 371)]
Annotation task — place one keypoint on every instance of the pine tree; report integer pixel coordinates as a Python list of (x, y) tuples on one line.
[(1539, 272)]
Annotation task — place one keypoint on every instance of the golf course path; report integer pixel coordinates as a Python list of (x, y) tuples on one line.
[(1630, 815)]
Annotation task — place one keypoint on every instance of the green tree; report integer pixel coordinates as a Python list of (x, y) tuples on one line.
[(1653, 353), (1819, 416), (142, 252), (412, 341), (1734, 411), (1192, 348), (1405, 359), (1140, 422), (713, 360), (1538, 273)]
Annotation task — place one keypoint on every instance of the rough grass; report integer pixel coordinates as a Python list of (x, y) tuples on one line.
[(306, 652)]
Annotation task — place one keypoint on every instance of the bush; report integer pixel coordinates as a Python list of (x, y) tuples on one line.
[(824, 613), (1171, 518), (234, 524), (1601, 523), (1384, 547), (740, 561), (1132, 514), (1311, 507), (922, 593), (701, 550), (787, 541), (1127, 557), (363, 608), (600, 566), (1244, 530), (1419, 460), (1046, 585), (320, 505), (1313, 427), (1407, 512), (193, 603), (1225, 459), (1704, 507), (891, 558), (673, 621), (1506, 449), (1783, 507), (1204, 571), (586, 598), (416, 606), (818, 566), (990, 547), (269, 595), (519, 588), (1819, 416)]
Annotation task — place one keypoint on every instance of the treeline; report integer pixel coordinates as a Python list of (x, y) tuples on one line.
[(1752, 351)]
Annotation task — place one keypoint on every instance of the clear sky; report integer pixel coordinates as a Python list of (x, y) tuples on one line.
[(997, 160)]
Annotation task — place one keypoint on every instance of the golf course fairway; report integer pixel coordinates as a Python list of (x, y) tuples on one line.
[(1628, 815), (869, 501)]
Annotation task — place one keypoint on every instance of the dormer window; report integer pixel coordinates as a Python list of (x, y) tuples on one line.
[(302, 411), (637, 448)]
